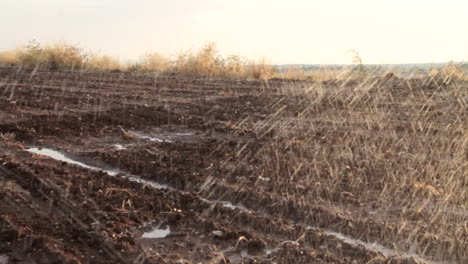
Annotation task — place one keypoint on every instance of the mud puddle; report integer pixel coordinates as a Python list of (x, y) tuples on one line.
[(387, 252), (119, 147), (161, 233), (61, 157), (112, 172), (239, 257), (235, 206), (164, 136), (157, 233), (376, 247), (4, 259), (226, 204)]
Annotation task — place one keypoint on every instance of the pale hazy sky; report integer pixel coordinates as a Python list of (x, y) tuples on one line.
[(294, 31)]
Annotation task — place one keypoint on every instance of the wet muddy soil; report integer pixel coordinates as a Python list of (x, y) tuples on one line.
[(125, 168)]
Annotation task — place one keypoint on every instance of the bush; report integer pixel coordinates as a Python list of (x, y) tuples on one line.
[(59, 56), (260, 70), (449, 72), (95, 62), (9, 58), (208, 62), (204, 62), (63, 56), (153, 62), (54, 57)]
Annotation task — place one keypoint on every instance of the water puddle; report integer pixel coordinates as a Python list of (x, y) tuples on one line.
[(61, 157), (376, 247), (269, 251), (119, 147), (238, 256), (226, 204), (4, 259), (387, 252), (168, 137), (188, 134), (264, 179), (161, 233), (234, 206), (147, 182), (154, 139), (112, 172), (157, 233)]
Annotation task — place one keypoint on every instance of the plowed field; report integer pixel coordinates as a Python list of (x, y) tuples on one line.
[(126, 168)]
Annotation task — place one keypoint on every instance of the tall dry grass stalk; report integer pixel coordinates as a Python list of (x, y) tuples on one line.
[(155, 62), (9, 58), (205, 62), (319, 74), (390, 153), (260, 70), (102, 63), (56, 56), (449, 72)]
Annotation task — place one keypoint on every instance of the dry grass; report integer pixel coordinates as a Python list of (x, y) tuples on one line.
[(260, 70), (208, 62), (155, 62), (102, 63), (56, 56), (52, 56), (9, 57), (8, 136), (315, 74), (204, 62), (450, 72), (395, 150)]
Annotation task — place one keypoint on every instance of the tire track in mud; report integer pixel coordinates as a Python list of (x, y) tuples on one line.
[(63, 208), (317, 216), (355, 247), (376, 234), (341, 245)]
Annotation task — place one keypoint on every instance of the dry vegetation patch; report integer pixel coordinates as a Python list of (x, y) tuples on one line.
[(388, 149), (207, 61)]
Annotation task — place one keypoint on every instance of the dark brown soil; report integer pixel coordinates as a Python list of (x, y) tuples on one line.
[(182, 132)]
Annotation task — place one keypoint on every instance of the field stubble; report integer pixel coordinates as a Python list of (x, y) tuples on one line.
[(368, 171)]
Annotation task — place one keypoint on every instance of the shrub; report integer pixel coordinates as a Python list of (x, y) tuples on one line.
[(10, 57), (63, 56), (154, 62), (260, 70), (235, 66), (449, 72), (204, 62), (96, 62), (54, 57)]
